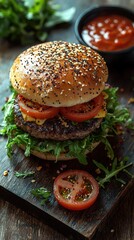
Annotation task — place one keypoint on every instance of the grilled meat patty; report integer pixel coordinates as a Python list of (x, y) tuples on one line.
[(57, 128)]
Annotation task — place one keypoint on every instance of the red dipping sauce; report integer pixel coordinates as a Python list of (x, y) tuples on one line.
[(109, 33)]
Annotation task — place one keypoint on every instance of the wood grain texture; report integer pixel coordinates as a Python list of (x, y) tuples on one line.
[(17, 224), (24, 227)]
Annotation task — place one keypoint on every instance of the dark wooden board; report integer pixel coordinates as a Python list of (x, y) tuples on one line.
[(18, 191)]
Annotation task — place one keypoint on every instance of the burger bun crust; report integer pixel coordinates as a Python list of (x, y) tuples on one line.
[(59, 74), (61, 157)]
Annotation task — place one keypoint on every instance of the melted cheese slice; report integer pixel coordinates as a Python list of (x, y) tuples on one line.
[(30, 119)]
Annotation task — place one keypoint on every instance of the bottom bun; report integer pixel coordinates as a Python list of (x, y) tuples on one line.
[(62, 157)]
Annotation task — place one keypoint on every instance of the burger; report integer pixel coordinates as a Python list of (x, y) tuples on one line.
[(59, 109)]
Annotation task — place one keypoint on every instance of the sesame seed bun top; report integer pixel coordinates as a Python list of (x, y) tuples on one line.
[(59, 74)]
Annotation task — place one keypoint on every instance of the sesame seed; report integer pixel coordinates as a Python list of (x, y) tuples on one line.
[(5, 173)]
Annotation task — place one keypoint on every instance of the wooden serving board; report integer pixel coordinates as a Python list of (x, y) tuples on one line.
[(83, 224)]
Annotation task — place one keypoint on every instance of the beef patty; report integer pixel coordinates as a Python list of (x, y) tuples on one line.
[(57, 128)]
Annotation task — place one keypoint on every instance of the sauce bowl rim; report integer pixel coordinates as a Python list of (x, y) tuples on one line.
[(95, 8)]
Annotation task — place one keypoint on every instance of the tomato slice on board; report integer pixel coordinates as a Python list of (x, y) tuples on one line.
[(36, 110), (84, 111), (76, 189)]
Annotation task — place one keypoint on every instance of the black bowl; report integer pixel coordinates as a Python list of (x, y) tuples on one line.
[(91, 13)]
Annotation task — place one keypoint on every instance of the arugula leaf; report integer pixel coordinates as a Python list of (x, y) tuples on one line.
[(8, 109), (24, 174), (27, 20), (108, 147), (41, 193), (116, 167)]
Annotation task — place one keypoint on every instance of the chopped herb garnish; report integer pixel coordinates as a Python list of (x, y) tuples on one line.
[(24, 174), (41, 193), (25, 21), (116, 167)]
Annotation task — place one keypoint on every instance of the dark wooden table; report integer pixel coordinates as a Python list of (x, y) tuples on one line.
[(15, 224)]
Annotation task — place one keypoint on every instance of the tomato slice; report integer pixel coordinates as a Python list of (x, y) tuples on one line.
[(36, 110), (76, 189), (84, 111)]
